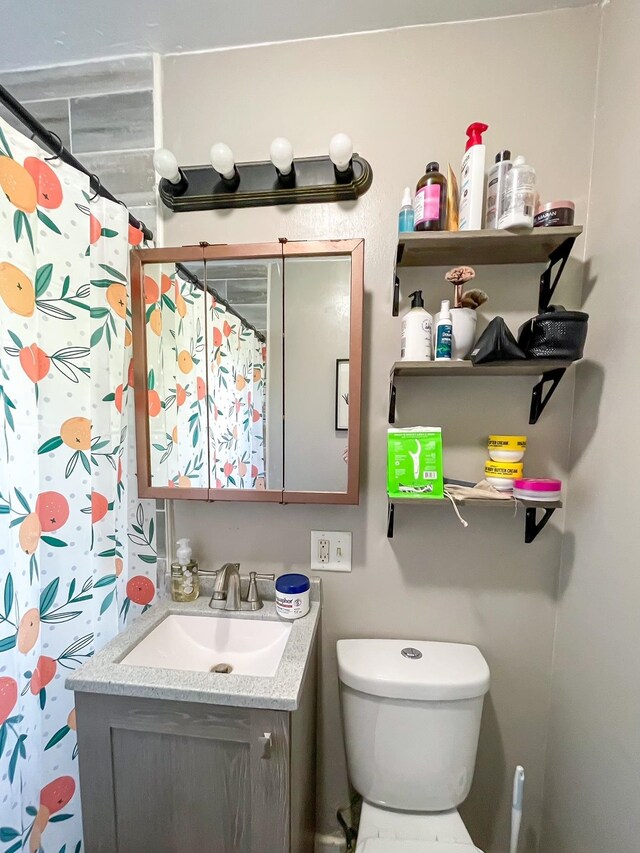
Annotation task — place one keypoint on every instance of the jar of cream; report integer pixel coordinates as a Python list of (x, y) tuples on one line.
[(292, 596), (554, 213)]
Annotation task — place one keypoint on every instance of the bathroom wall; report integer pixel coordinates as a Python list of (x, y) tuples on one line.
[(103, 113), (406, 97), (592, 783)]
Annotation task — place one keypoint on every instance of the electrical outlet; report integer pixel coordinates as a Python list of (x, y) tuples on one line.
[(323, 550), (330, 551)]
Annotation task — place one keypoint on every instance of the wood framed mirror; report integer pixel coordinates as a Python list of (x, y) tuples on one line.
[(248, 371)]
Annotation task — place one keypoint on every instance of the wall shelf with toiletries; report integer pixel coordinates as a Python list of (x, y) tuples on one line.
[(441, 248), (532, 527), (549, 370)]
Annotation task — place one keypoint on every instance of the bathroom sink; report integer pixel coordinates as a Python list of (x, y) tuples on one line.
[(243, 646)]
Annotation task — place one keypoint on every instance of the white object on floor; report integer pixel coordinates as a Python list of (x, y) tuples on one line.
[(198, 643), (516, 807)]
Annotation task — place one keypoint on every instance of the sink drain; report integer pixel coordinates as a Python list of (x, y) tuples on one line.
[(222, 667)]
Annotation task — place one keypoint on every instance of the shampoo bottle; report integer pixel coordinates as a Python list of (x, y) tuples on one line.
[(519, 200), (495, 188), (444, 332), (405, 217), (472, 179), (417, 326), (185, 583), (430, 202)]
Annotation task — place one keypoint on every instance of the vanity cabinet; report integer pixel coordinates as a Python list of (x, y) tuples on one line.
[(175, 777)]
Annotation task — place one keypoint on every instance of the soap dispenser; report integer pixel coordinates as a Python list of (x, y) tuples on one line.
[(185, 583), (417, 325)]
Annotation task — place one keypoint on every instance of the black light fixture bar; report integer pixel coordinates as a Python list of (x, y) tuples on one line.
[(53, 143), (259, 185)]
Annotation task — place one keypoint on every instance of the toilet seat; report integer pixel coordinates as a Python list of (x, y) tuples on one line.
[(390, 845)]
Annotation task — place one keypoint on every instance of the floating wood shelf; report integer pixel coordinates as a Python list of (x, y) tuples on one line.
[(441, 248), (549, 370), (531, 367), (532, 525), (452, 248)]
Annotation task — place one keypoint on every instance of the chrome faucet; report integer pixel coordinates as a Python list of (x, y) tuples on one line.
[(227, 591)]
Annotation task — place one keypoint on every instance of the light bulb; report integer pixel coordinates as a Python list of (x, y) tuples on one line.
[(281, 153), (166, 165), (222, 160), (340, 151)]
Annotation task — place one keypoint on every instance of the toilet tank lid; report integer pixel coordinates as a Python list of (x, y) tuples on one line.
[(426, 670)]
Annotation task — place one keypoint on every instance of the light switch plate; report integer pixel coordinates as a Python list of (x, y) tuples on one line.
[(330, 551)]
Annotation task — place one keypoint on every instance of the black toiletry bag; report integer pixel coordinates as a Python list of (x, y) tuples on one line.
[(556, 333)]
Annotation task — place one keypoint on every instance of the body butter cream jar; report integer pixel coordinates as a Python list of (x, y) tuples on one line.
[(292, 596)]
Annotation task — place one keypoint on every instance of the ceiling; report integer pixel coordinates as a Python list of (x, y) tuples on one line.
[(36, 34)]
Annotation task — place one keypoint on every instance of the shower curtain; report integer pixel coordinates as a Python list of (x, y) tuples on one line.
[(77, 549)]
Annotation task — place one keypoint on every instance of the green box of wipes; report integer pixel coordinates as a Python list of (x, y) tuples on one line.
[(414, 463)]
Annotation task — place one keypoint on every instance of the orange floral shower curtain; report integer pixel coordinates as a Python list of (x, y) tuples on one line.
[(77, 549)]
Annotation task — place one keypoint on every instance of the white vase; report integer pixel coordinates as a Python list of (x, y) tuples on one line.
[(463, 332)]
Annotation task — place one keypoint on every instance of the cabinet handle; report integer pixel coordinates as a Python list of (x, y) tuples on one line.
[(266, 743)]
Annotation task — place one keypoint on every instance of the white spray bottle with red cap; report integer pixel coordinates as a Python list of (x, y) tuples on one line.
[(472, 179)]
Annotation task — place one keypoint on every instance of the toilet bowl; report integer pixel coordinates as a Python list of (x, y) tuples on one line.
[(411, 713)]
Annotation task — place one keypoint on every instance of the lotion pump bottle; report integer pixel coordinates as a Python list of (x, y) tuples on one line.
[(417, 329), (444, 332), (472, 179), (185, 583)]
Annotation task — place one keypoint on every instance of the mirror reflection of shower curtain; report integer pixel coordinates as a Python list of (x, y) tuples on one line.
[(236, 398)]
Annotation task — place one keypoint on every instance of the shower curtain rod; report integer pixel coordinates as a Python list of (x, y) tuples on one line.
[(53, 143), (193, 278)]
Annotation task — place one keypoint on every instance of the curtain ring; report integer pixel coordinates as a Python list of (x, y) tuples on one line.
[(58, 154), (97, 192)]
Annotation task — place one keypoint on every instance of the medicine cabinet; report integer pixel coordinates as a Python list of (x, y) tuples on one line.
[(247, 371)]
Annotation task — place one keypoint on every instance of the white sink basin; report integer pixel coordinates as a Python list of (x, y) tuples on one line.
[(200, 643)]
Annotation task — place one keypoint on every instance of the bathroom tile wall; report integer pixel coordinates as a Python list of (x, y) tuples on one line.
[(406, 97), (103, 113)]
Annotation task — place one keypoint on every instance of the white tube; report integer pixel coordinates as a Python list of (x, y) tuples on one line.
[(516, 807)]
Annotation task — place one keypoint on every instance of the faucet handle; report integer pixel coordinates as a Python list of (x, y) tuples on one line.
[(253, 596)]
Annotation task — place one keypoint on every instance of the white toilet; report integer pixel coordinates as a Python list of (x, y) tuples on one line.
[(411, 712)]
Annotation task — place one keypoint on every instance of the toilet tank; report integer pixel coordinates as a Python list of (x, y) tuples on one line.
[(411, 713)]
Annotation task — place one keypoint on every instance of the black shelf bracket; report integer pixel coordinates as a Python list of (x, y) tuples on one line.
[(532, 526), (391, 517), (392, 400), (396, 282), (549, 280), (539, 398)]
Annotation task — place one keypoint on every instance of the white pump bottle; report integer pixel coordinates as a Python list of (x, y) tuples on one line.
[(417, 329)]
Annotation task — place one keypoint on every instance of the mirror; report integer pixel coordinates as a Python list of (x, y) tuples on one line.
[(247, 367)]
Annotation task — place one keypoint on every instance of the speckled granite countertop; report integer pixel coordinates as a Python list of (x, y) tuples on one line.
[(104, 674)]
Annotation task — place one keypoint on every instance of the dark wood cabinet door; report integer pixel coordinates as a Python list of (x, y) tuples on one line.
[(173, 777)]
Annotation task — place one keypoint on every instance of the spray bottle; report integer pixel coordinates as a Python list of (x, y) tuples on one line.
[(444, 332), (472, 179), (405, 217)]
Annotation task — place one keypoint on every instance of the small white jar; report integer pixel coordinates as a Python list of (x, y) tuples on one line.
[(292, 596)]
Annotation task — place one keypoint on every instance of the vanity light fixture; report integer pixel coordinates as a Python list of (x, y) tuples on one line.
[(166, 165), (224, 163), (281, 154), (341, 176), (341, 153)]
